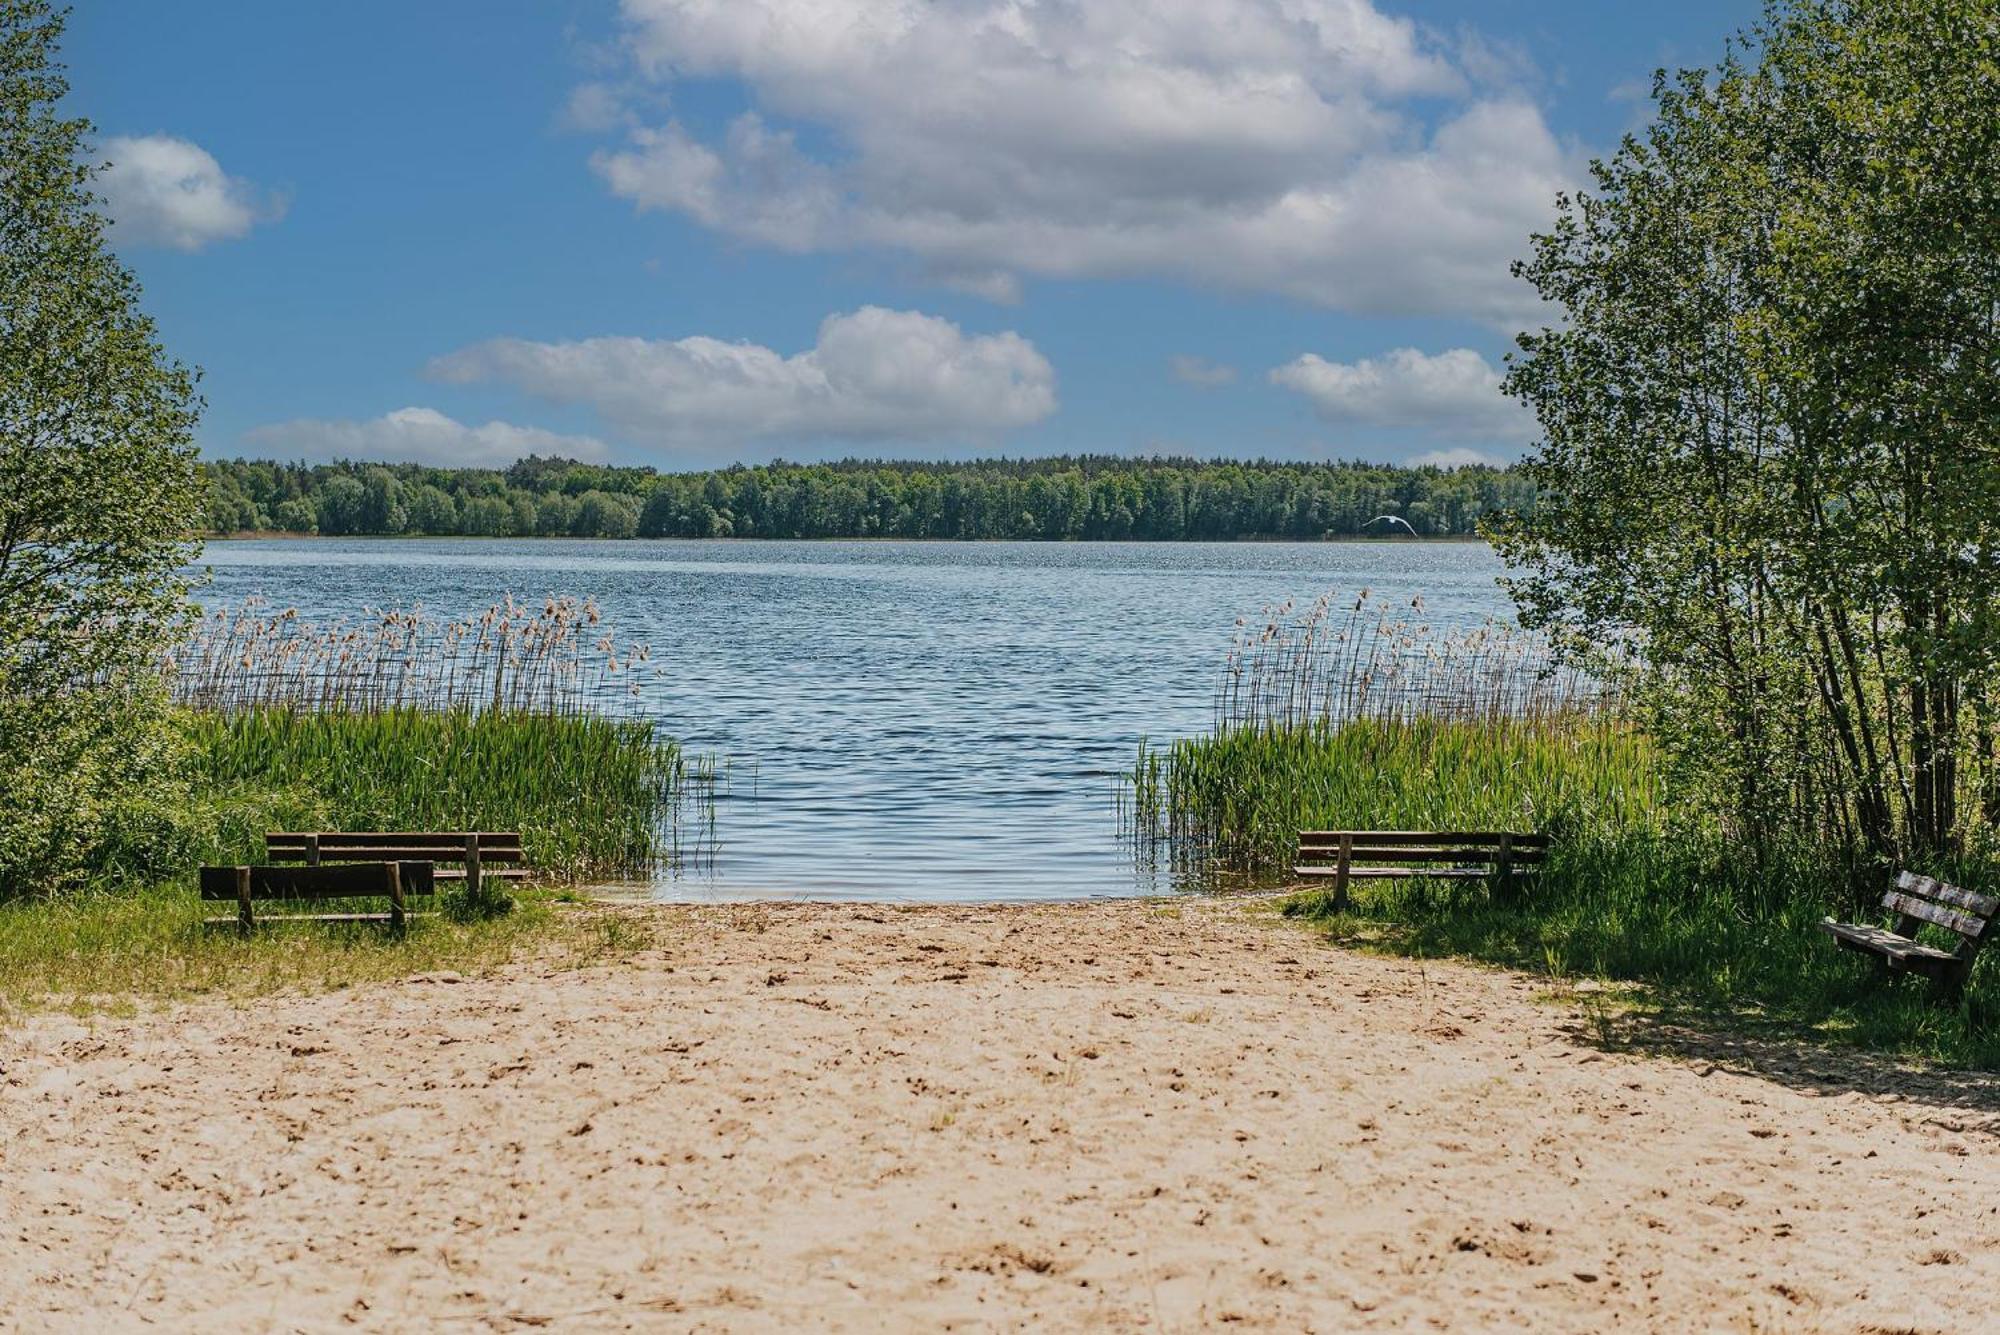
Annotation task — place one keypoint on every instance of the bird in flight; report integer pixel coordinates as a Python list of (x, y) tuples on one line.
[(1391, 521)]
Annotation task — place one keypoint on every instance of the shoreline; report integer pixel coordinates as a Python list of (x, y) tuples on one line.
[(257, 535), (1070, 1117)]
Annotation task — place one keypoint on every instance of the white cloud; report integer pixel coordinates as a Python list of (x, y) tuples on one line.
[(159, 190), (1453, 394), (1201, 372), (420, 435), (1459, 457), (1290, 146), (594, 108), (873, 375)]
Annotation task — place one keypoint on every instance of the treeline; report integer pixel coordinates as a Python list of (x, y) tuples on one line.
[(1087, 497)]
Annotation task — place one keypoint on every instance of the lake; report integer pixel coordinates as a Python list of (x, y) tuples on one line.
[(897, 720)]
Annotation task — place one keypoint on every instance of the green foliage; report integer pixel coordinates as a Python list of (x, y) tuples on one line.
[(1772, 420), (590, 795), (94, 951), (1241, 797), (1091, 497), (100, 494)]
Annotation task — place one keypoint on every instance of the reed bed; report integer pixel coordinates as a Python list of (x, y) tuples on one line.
[(554, 658), (1235, 802), (518, 717), (592, 796), (1363, 657)]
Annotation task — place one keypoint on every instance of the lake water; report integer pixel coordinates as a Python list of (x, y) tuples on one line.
[(919, 721)]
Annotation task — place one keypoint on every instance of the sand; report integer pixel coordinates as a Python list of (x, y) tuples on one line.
[(1100, 1117)]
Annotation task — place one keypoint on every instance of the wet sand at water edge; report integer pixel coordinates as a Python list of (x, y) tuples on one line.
[(1103, 1117)]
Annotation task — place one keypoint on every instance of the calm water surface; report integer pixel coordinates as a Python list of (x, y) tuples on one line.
[(916, 721)]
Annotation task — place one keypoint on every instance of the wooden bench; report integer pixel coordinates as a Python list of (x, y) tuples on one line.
[(1917, 900), (396, 882), (479, 854), (1342, 856)]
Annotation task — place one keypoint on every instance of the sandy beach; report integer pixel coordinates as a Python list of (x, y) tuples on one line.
[(1104, 1117)]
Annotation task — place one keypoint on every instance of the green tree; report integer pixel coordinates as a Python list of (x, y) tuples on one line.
[(603, 514), (1772, 422), (99, 493), (432, 510)]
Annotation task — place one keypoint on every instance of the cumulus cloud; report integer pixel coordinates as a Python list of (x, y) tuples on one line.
[(420, 435), (1315, 148), (873, 375), (1453, 394), (159, 190), (1201, 372)]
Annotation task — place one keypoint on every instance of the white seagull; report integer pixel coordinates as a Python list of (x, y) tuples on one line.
[(1390, 520)]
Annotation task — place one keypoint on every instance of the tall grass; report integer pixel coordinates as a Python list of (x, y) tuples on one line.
[(1363, 657), (554, 658), (592, 796), (1237, 800), (512, 718)]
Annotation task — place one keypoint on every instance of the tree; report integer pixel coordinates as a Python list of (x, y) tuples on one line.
[(99, 493), (1772, 423), (432, 510), (341, 505)]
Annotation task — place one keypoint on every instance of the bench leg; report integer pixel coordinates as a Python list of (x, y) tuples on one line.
[(395, 888), (1948, 988), (246, 917), (1340, 874), (1502, 884)]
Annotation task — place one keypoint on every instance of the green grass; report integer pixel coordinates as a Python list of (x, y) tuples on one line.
[(1692, 931), (99, 952), (591, 796)]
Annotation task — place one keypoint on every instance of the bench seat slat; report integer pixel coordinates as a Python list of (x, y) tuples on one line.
[(1438, 853), (346, 880), (1898, 951), (454, 837), (393, 853), (1521, 840), (1396, 873), (1984, 906), (1962, 923)]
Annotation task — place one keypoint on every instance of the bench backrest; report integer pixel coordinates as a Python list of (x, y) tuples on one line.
[(348, 880), (1923, 899), (1411, 846), (494, 846)]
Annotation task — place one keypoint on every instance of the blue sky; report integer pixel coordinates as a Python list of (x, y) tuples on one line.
[(685, 233)]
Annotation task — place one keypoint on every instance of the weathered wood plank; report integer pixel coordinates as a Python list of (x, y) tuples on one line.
[(1945, 893), (396, 853), (344, 880), (1436, 853), (1963, 923), (1316, 871), (1427, 836), (1898, 951)]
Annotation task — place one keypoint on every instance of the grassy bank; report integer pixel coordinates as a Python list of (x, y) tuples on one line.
[(592, 796), (102, 952), (1684, 924)]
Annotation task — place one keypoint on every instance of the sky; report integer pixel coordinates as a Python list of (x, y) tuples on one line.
[(687, 233)]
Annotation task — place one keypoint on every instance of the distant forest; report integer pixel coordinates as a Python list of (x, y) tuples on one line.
[(1088, 497)]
